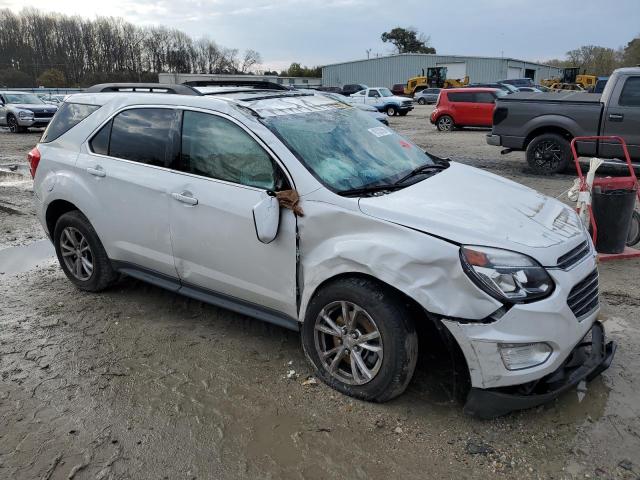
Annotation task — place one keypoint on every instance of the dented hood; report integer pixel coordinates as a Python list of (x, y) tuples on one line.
[(469, 206)]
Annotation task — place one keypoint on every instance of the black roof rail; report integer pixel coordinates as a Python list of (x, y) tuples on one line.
[(260, 84), (143, 88)]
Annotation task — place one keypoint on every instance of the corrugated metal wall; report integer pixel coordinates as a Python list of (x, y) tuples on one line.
[(386, 71)]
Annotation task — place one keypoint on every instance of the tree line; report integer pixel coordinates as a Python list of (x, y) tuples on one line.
[(601, 61), (76, 51)]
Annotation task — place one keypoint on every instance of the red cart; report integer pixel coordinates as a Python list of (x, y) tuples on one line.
[(629, 182)]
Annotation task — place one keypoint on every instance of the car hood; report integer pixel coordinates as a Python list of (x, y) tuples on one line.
[(466, 205)]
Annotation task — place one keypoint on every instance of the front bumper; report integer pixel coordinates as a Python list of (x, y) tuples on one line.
[(586, 361), (33, 122)]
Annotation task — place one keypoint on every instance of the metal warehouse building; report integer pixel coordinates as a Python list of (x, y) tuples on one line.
[(392, 69)]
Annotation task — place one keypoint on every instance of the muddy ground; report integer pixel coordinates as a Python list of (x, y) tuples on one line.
[(140, 383)]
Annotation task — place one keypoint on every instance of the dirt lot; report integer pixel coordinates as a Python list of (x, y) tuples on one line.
[(140, 383)]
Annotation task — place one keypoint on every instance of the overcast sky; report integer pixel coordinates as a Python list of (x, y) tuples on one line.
[(329, 31)]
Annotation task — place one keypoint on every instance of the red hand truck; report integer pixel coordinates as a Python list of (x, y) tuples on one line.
[(629, 182)]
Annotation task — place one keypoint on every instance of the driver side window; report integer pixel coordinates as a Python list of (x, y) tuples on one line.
[(373, 93), (215, 147)]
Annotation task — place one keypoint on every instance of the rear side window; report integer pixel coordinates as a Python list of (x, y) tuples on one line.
[(460, 97), (67, 117), (484, 97), (217, 148), (142, 135), (630, 96)]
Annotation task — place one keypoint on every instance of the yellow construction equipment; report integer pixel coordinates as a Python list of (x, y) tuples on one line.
[(436, 77), (571, 79)]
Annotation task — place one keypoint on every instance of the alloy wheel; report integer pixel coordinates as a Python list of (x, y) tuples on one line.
[(548, 155), (445, 124), (348, 343), (13, 124), (76, 253)]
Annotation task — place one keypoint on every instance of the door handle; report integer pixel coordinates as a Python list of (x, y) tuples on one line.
[(185, 197), (616, 117), (97, 172)]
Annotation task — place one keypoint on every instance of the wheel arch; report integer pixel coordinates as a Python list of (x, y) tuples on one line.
[(428, 325), (55, 210), (559, 129)]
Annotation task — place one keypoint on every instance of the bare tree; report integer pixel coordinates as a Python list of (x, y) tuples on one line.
[(251, 58)]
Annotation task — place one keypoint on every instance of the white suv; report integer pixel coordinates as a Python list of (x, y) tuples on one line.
[(301, 210)]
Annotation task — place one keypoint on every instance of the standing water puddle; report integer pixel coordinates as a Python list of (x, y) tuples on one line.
[(22, 259)]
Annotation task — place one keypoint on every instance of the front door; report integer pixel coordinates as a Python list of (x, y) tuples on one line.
[(225, 172), (622, 118)]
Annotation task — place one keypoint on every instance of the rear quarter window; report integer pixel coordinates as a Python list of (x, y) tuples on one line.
[(630, 96), (460, 97), (67, 117)]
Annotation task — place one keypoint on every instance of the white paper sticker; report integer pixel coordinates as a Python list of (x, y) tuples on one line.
[(380, 131)]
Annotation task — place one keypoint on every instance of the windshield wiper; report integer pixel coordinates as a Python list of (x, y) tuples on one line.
[(371, 189), (423, 169)]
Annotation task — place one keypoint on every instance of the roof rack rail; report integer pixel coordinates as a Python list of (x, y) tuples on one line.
[(143, 88), (261, 84)]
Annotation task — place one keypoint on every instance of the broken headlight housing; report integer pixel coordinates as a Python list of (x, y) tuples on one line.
[(505, 275)]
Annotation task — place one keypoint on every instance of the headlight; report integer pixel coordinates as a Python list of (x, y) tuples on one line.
[(505, 275), (25, 114)]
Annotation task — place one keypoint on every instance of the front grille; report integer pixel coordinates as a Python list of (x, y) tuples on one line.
[(407, 103), (573, 256), (583, 298)]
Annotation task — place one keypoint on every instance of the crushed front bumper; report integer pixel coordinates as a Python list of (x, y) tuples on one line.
[(587, 360)]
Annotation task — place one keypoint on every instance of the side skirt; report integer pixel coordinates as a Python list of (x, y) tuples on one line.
[(207, 296)]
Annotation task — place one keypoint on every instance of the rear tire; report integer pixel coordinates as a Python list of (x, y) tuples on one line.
[(548, 153), (81, 254), (445, 123), (634, 230), (376, 369)]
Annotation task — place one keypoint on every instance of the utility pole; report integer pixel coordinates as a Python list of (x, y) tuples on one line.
[(368, 53)]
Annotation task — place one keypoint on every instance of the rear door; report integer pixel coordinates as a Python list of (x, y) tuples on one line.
[(483, 109), (462, 107), (622, 117), (223, 172), (125, 171)]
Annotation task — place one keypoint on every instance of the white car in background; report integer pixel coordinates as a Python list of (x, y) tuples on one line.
[(382, 99), (298, 210)]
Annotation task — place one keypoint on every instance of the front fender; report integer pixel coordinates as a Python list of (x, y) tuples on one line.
[(336, 241)]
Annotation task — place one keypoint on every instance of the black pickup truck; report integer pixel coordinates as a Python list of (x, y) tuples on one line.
[(543, 124)]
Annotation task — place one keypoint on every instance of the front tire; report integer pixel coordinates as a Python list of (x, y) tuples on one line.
[(361, 339), (422, 101), (12, 122), (548, 153), (81, 254), (391, 110), (444, 123)]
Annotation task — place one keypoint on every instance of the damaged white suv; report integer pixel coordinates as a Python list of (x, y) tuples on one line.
[(303, 211)]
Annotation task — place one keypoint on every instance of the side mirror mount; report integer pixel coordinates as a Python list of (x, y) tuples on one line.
[(266, 218)]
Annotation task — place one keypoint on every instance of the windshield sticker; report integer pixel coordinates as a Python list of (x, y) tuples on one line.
[(380, 131)]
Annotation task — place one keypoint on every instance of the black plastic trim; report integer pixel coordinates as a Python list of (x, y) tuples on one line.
[(207, 296)]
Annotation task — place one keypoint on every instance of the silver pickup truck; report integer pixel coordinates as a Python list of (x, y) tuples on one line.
[(22, 110), (543, 124)]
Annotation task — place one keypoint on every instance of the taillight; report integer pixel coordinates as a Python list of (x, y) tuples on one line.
[(34, 159)]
